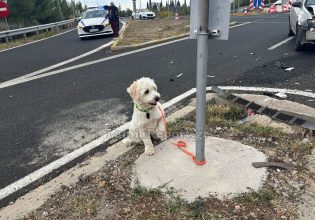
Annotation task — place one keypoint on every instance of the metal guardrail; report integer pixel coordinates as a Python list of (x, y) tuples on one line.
[(24, 31)]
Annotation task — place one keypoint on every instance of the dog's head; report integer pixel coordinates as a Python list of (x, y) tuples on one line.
[(144, 92)]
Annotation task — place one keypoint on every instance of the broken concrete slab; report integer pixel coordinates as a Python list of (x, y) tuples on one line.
[(228, 170)]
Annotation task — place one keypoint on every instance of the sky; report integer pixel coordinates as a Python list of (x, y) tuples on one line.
[(124, 3)]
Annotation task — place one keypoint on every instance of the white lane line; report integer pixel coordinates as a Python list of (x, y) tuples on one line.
[(30, 75), (37, 40), (23, 79), (34, 75), (66, 61), (238, 25), (280, 43), (40, 173)]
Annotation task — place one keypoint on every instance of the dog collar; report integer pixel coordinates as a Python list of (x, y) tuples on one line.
[(143, 109)]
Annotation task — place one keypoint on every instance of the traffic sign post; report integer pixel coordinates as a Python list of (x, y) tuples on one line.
[(209, 19)]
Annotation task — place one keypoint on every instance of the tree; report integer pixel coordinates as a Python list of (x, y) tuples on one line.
[(148, 5), (178, 3), (161, 5)]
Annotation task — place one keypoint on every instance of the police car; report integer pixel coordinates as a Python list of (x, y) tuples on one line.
[(94, 22)]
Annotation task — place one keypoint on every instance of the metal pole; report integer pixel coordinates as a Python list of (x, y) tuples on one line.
[(134, 6), (8, 28), (202, 67), (234, 6)]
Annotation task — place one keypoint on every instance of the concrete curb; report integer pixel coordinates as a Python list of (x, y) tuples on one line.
[(121, 34)]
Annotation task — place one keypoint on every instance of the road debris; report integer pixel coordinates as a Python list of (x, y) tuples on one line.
[(280, 65), (179, 75), (281, 95), (209, 76), (289, 69), (286, 166), (252, 53)]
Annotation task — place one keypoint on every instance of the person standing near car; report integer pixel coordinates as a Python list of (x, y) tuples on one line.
[(114, 19)]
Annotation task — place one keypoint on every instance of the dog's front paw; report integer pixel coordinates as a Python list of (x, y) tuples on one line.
[(162, 136), (149, 151)]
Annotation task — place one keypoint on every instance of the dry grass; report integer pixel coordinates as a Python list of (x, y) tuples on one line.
[(141, 31)]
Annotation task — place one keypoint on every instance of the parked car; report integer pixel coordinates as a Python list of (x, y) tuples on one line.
[(93, 22), (143, 14), (302, 23)]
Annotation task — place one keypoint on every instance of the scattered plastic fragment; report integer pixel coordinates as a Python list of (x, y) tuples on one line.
[(179, 75), (289, 69), (281, 95), (209, 76)]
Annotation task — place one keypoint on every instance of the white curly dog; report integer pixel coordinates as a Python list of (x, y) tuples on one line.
[(147, 114)]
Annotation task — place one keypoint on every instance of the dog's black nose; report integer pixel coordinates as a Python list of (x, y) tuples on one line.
[(157, 98)]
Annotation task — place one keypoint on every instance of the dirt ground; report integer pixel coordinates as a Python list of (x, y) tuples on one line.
[(107, 194), (140, 31)]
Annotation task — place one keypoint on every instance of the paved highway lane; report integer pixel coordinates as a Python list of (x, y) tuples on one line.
[(42, 120), (29, 58)]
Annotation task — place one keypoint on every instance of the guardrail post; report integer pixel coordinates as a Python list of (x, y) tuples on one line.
[(25, 36)]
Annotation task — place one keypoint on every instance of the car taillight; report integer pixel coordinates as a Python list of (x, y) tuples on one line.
[(311, 22)]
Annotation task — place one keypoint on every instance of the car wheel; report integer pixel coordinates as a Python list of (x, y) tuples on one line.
[(291, 33), (140, 17), (298, 40)]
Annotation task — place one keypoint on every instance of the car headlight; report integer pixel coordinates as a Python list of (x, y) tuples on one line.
[(311, 22), (80, 25), (105, 23)]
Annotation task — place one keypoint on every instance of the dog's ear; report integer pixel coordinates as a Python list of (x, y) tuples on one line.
[(133, 91)]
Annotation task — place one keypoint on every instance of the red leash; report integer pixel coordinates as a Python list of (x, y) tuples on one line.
[(181, 144)]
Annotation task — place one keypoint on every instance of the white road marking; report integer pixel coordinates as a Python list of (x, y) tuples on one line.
[(37, 41), (66, 61), (238, 25), (35, 75), (280, 43), (40, 173), (23, 79)]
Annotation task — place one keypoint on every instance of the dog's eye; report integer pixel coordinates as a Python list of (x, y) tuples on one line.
[(146, 92)]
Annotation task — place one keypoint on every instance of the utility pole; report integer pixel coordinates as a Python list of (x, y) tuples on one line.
[(234, 6), (202, 69)]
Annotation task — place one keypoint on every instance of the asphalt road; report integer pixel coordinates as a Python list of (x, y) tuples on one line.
[(44, 119), (33, 57)]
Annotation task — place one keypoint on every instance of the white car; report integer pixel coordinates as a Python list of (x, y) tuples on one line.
[(93, 22), (143, 14), (302, 23)]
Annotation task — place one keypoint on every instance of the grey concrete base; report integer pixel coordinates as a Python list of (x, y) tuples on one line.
[(228, 170)]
